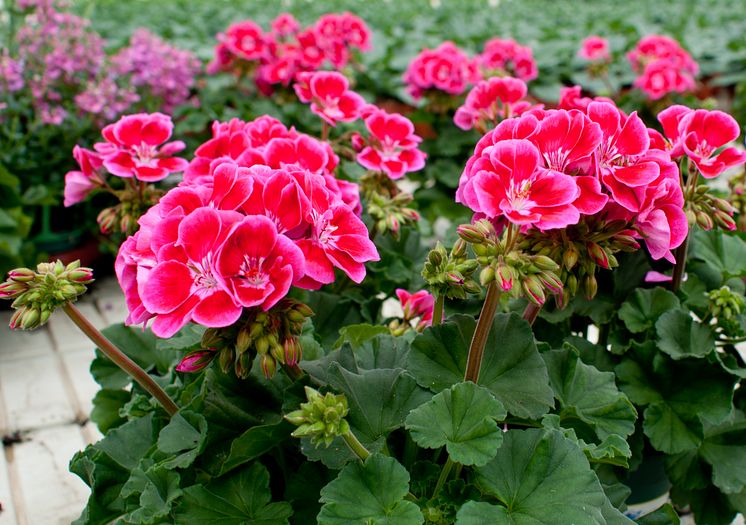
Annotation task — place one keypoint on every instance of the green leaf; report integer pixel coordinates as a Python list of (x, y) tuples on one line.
[(540, 475), (242, 498), (463, 419), (184, 438), (613, 450), (379, 400), (255, 442), (369, 493), (160, 491), (481, 513), (671, 431), (357, 334), (128, 443), (106, 406), (586, 394), (724, 448), (511, 368), (665, 515), (725, 253), (187, 337), (681, 336), (645, 306)]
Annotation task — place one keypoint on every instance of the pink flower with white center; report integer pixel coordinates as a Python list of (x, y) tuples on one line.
[(492, 100), (258, 265), (419, 304), (699, 134), (356, 31), (246, 40), (509, 180), (661, 77), (330, 96), (663, 66), (185, 285), (78, 184), (566, 137), (594, 49), (303, 151), (392, 147), (506, 56), (136, 147)]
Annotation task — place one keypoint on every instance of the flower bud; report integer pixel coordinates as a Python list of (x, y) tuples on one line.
[(225, 359), (107, 220), (242, 365), (243, 340), (551, 282), (571, 285), (504, 275), (454, 277), (81, 275), (262, 345), (542, 262), (724, 220), (459, 250), (704, 220), (196, 361), (15, 319), (293, 351), (21, 275), (598, 254), (467, 267), (570, 256), (12, 289), (269, 367), (470, 233), (487, 275), (590, 286), (30, 319), (534, 290), (472, 287)]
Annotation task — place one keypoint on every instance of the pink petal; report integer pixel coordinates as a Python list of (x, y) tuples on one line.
[(169, 285), (217, 310), (197, 233)]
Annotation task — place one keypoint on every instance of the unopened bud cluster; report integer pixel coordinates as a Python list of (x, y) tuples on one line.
[(123, 217), (451, 274), (272, 335), (726, 306), (514, 270), (580, 250), (391, 213), (707, 211), (36, 294), (737, 198), (322, 418)]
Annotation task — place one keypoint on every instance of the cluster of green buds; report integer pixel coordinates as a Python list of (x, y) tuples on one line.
[(36, 294), (322, 418), (390, 213), (726, 306), (707, 211), (273, 336), (514, 270), (737, 198), (580, 251), (123, 217), (451, 274)]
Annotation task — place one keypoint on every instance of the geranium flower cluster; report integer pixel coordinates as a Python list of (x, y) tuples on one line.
[(157, 69), (594, 49), (259, 211), (491, 101), (276, 57), (506, 57), (547, 169), (663, 66)]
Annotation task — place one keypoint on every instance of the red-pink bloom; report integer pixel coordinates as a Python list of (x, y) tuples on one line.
[(196, 361), (492, 100), (506, 56), (571, 98), (329, 95), (246, 40), (419, 304), (445, 68), (661, 77), (79, 183), (256, 264), (594, 48), (663, 66), (285, 24), (392, 147), (136, 147), (185, 285), (700, 135)]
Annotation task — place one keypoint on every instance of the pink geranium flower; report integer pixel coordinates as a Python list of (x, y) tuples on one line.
[(490, 101), (445, 68), (185, 285), (246, 40), (285, 24), (330, 96), (392, 147), (256, 264), (594, 48), (419, 304), (506, 56), (663, 66), (78, 184), (136, 147)]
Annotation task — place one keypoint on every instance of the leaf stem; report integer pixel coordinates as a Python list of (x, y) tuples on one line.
[(531, 312), (443, 476), (120, 359), (476, 349), (678, 270), (438, 309), (355, 445)]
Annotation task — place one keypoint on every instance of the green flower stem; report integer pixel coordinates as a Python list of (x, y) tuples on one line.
[(678, 270), (355, 445), (476, 349), (531, 312), (294, 372), (443, 476), (438, 309), (120, 359)]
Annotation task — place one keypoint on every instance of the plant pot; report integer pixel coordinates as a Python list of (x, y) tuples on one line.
[(650, 487)]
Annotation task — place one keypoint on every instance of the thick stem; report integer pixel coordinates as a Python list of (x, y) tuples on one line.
[(443, 476), (438, 309), (476, 349), (531, 312), (324, 131), (678, 270), (120, 359), (355, 445)]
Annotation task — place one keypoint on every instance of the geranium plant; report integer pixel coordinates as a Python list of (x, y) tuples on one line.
[(582, 324)]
